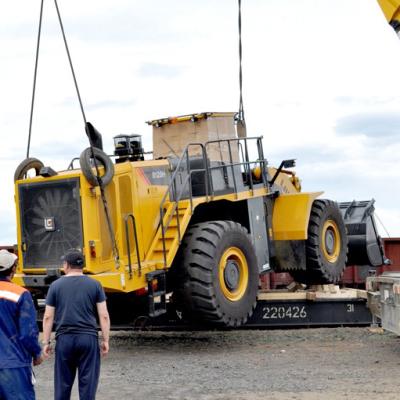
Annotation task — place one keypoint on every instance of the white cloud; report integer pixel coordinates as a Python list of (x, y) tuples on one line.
[(310, 68)]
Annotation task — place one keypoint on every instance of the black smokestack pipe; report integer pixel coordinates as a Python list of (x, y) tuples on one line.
[(94, 136)]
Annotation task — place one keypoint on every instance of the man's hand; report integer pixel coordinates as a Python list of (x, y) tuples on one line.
[(38, 360), (104, 320), (47, 350), (48, 320), (104, 347)]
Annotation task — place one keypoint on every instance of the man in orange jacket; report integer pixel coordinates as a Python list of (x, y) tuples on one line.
[(18, 335)]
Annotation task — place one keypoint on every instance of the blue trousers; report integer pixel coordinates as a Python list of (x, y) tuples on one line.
[(76, 352), (16, 384)]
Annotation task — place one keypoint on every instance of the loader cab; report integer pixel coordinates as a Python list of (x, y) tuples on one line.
[(206, 152)]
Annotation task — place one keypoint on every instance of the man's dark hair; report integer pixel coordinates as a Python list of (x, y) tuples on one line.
[(7, 272), (74, 258)]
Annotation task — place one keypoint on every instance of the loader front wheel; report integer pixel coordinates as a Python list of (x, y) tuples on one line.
[(219, 274), (326, 246)]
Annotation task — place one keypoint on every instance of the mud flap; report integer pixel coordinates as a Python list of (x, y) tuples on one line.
[(365, 245), (290, 256), (156, 283)]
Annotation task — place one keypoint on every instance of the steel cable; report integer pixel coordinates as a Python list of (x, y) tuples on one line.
[(103, 197), (239, 118), (241, 108), (35, 78), (102, 192), (70, 63)]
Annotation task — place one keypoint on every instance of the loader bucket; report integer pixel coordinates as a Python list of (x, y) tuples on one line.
[(365, 245)]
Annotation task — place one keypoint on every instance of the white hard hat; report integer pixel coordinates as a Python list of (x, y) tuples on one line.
[(7, 259)]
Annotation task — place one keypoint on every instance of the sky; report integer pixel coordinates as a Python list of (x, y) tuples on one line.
[(320, 85)]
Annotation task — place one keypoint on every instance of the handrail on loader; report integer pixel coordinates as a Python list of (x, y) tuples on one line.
[(171, 192), (128, 244), (172, 187)]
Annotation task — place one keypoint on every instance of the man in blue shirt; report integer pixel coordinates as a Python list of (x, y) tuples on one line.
[(74, 302), (18, 335)]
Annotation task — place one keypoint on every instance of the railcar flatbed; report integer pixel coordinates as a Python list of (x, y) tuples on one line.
[(323, 306)]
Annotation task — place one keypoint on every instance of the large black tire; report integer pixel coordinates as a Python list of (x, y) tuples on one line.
[(218, 275), (102, 160), (25, 166), (326, 246)]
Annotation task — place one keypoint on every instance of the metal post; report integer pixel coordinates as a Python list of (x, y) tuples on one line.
[(190, 182), (232, 168), (177, 221), (248, 164), (208, 171), (206, 180), (163, 235), (128, 245), (262, 162)]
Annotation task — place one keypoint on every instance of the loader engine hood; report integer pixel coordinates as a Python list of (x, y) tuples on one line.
[(50, 221)]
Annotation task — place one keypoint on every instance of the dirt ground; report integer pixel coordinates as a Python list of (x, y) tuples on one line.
[(329, 363)]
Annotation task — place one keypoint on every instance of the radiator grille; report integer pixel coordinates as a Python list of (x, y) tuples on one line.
[(51, 221)]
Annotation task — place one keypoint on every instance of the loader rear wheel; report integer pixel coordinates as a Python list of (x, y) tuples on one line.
[(219, 276), (326, 246)]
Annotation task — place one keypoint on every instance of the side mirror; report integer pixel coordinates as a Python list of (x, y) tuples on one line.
[(288, 163)]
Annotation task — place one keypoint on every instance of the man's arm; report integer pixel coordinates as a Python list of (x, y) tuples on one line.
[(28, 330), (48, 321), (104, 320)]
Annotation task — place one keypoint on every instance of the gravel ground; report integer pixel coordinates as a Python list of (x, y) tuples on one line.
[(329, 363)]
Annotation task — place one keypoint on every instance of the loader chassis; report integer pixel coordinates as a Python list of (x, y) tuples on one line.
[(203, 229)]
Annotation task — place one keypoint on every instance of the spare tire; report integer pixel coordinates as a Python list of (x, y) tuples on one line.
[(88, 170), (25, 166)]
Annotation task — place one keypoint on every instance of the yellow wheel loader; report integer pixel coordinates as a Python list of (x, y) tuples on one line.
[(194, 227)]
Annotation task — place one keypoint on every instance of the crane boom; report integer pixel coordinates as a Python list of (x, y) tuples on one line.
[(391, 10)]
